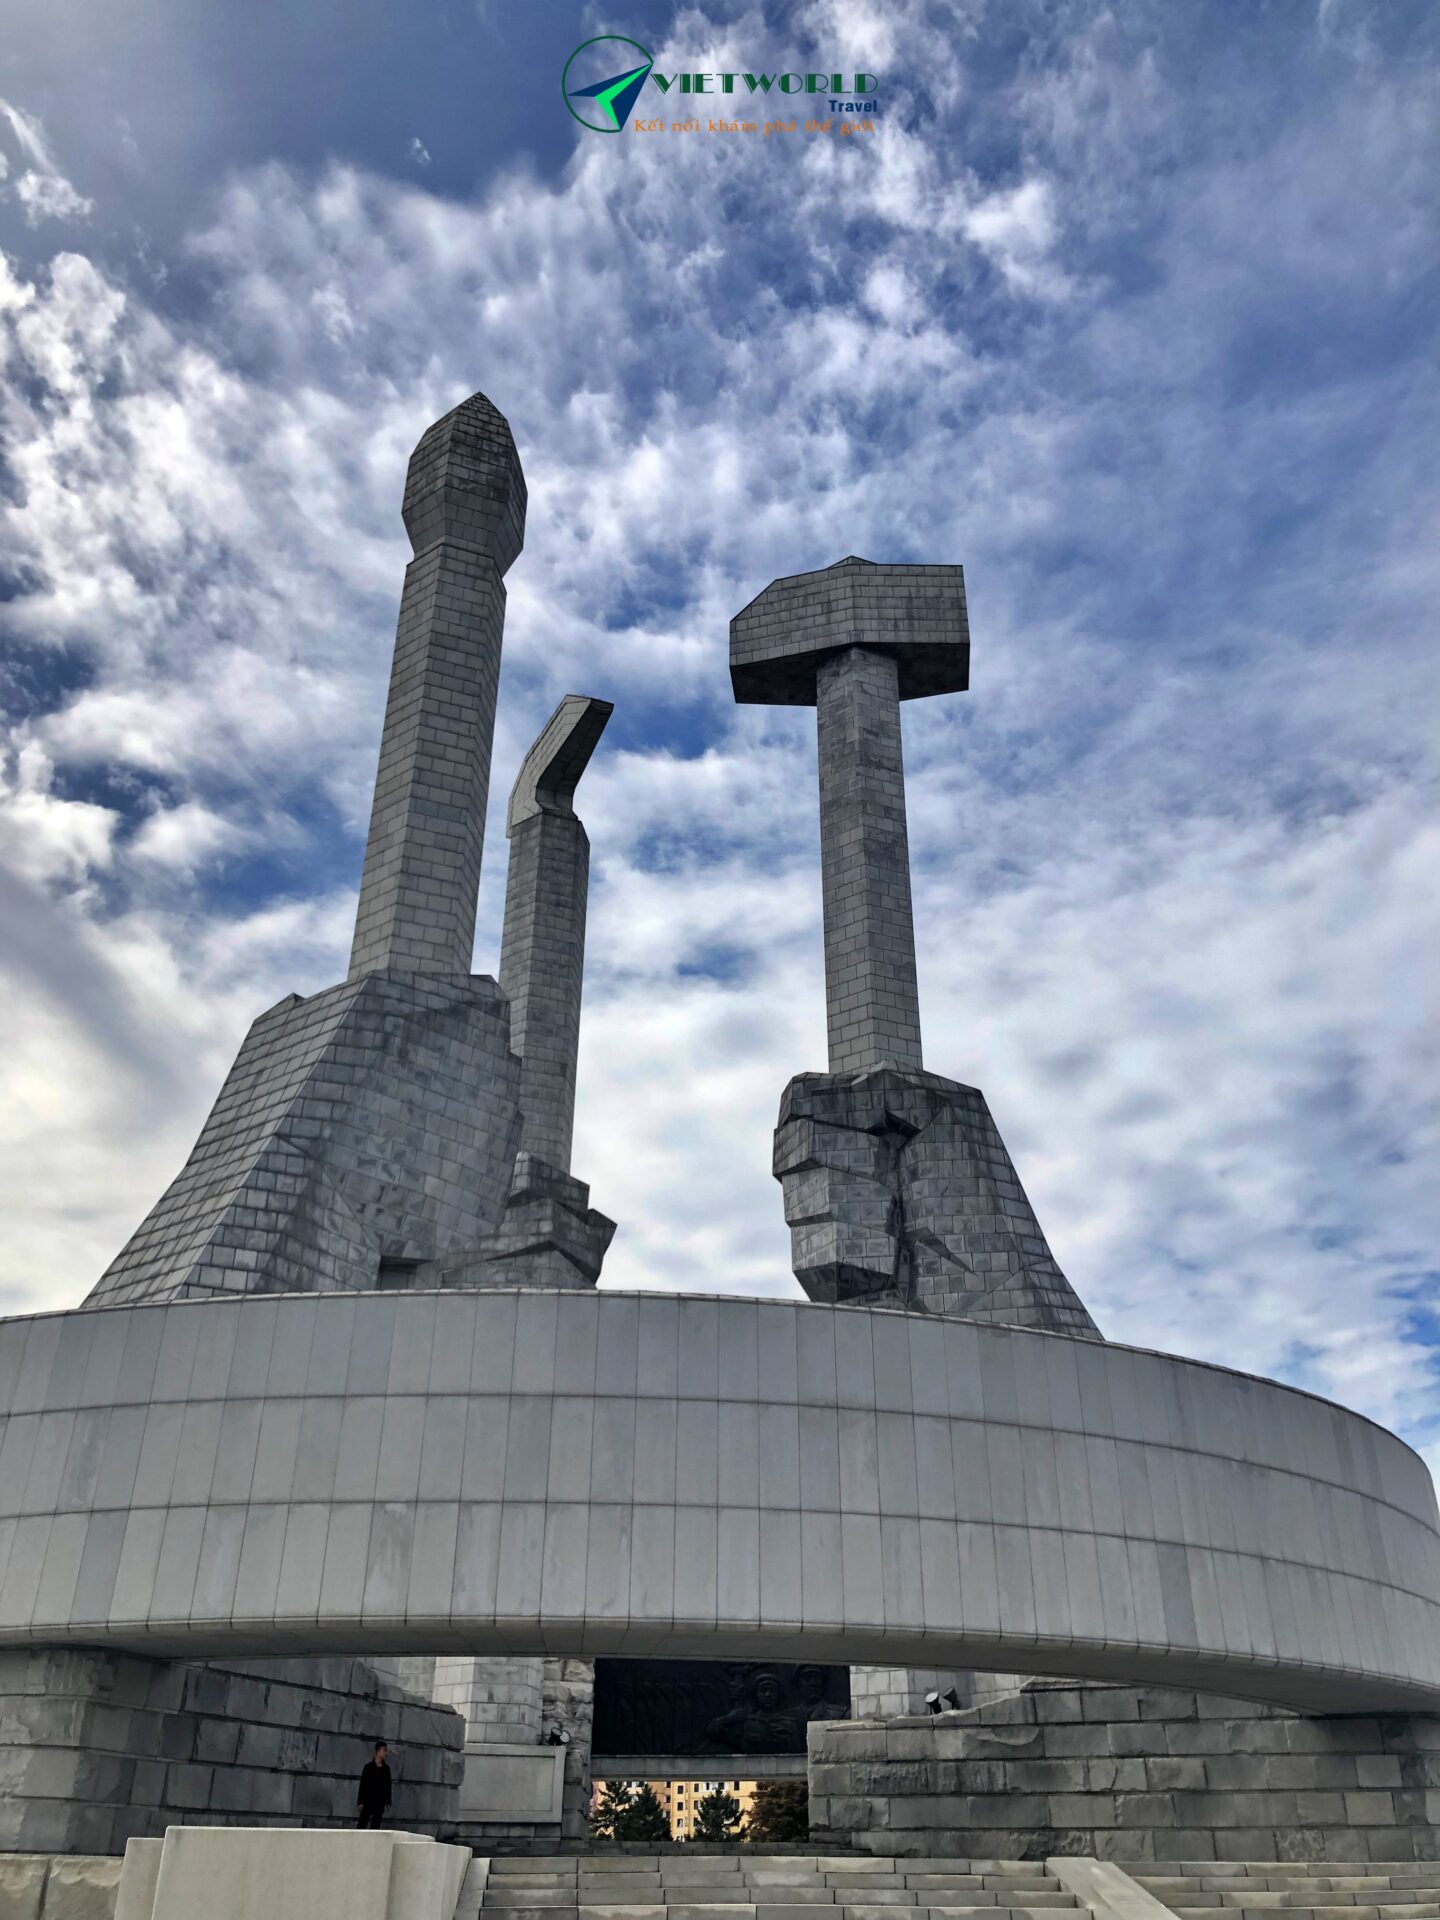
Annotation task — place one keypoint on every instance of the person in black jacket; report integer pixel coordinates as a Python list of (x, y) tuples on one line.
[(374, 1795)]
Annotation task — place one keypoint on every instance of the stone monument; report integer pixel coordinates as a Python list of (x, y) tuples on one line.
[(898, 1188), (407, 1128), (350, 1397)]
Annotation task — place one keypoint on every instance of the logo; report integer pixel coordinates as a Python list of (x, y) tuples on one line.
[(603, 79), (605, 104)]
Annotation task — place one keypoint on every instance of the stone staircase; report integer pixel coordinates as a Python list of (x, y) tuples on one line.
[(733, 1886), (1371, 1890)]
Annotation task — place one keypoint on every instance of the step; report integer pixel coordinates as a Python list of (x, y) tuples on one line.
[(775, 1910), (1353, 1882), (1039, 1892), (730, 1886), (877, 1898), (532, 1883), (1017, 1910), (544, 1863), (1321, 1896), (787, 1877), (793, 1892)]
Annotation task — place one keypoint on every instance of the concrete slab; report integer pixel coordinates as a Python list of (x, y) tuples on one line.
[(239, 1873), (140, 1871), (1106, 1889)]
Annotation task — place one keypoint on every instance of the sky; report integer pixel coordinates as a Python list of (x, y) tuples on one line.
[(1130, 310)]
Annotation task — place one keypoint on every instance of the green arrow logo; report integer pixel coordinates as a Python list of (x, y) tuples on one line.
[(607, 102)]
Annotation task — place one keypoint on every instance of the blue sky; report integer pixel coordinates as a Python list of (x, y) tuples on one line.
[(1131, 311)]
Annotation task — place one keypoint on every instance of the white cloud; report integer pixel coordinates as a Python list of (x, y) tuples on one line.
[(42, 189), (44, 838), (1016, 228), (186, 838), (1174, 860), (890, 294)]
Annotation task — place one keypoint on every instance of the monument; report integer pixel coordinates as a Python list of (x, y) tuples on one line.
[(347, 1433), (898, 1189)]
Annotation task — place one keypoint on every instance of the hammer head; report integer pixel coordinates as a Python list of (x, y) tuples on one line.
[(916, 613)]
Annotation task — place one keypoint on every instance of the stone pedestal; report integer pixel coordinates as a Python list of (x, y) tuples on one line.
[(517, 1784), (510, 1792), (1130, 1774)]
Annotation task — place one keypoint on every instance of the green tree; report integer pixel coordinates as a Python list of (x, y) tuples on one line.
[(717, 1817), (644, 1818), (779, 1811), (614, 1805)]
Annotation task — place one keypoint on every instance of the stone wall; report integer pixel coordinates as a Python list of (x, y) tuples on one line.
[(570, 1707), (1127, 1773), (95, 1747), (887, 1693), (500, 1700)]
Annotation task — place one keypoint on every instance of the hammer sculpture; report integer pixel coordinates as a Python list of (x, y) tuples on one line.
[(898, 1189)]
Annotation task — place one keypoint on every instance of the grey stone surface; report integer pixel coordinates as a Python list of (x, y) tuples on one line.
[(899, 1191), (542, 952), (465, 513), (1131, 1774), (569, 1707), (897, 1187), (374, 1122), (98, 1747), (885, 1693), (550, 1235), (366, 1136), (915, 613), (872, 1000), (523, 1786), (22, 1884), (71, 1890), (1107, 1890), (501, 1701), (1217, 1530), (228, 1875), (854, 640)]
